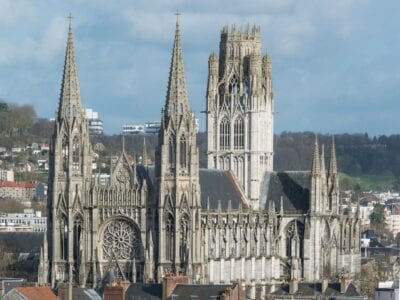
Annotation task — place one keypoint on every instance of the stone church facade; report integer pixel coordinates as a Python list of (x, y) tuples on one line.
[(236, 220)]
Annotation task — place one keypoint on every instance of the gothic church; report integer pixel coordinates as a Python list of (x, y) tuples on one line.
[(235, 220)]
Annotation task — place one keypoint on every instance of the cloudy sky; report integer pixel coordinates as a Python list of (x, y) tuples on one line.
[(335, 63)]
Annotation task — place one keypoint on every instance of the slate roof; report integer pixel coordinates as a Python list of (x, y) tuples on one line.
[(292, 186), (215, 185), (310, 288), (85, 294), (201, 291), (10, 283), (144, 291), (219, 185)]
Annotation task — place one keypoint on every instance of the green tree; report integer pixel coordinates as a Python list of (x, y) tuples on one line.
[(377, 216)]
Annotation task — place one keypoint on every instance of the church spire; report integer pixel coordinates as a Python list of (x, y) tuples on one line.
[(316, 160), (333, 162), (177, 99), (70, 100)]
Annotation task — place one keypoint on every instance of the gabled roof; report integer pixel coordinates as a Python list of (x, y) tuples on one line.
[(200, 291), (310, 288), (18, 184), (215, 185), (144, 291), (85, 294), (218, 185), (293, 187), (31, 293)]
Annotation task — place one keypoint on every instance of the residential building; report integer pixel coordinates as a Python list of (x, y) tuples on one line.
[(6, 175), (24, 191), (387, 290)]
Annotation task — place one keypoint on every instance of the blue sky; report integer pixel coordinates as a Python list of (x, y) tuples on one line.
[(335, 63)]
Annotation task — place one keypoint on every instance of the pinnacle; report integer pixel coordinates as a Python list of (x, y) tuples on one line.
[(323, 159), (316, 160), (333, 162)]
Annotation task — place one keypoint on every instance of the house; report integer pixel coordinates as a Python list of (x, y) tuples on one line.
[(24, 191), (30, 293)]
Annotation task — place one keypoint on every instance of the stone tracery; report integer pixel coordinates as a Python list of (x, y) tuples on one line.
[(121, 239)]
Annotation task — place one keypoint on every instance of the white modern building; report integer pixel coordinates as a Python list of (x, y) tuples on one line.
[(133, 129), (94, 123), (29, 220), (152, 127)]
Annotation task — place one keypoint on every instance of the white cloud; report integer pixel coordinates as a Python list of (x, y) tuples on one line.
[(14, 11)]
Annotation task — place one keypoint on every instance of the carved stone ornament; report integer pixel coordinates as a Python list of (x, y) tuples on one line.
[(122, 175), (120, 239)]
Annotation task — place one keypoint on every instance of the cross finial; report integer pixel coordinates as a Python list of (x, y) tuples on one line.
[(177, 14), (70, 19)]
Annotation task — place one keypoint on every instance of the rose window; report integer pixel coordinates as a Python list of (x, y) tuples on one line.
[(121, 240)]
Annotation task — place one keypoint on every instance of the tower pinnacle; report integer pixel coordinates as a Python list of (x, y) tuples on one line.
[(315, 170), (333, 162), (177, 99), (70, 99)]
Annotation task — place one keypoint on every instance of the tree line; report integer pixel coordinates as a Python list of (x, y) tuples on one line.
[(357, 154)]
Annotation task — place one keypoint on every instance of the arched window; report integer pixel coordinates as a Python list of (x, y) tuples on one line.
[(63, 238), (224, 134), (290, 239), (77, 239), (233, 90), (182, 152), (227, 164), (240, 170), (171, 153), (239, 134), (221, 163), (75, 153), (183, 245), (65, 153), (169, 237)]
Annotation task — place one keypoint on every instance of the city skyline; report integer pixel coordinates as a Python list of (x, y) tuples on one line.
[(337, 59)]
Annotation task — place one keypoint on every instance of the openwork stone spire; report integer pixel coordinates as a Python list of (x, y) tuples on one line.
[(333, 162), (316, 168), (177, 99), (70, 99)]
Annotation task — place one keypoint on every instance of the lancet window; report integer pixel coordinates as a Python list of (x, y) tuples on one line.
[(182, 152), (169, 237), (224, 134), (77, 237), (75, 153), (233, 89), (294, 240), (239, 134), (65, 153), (184, 229), (171, 153), (63, 237)]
